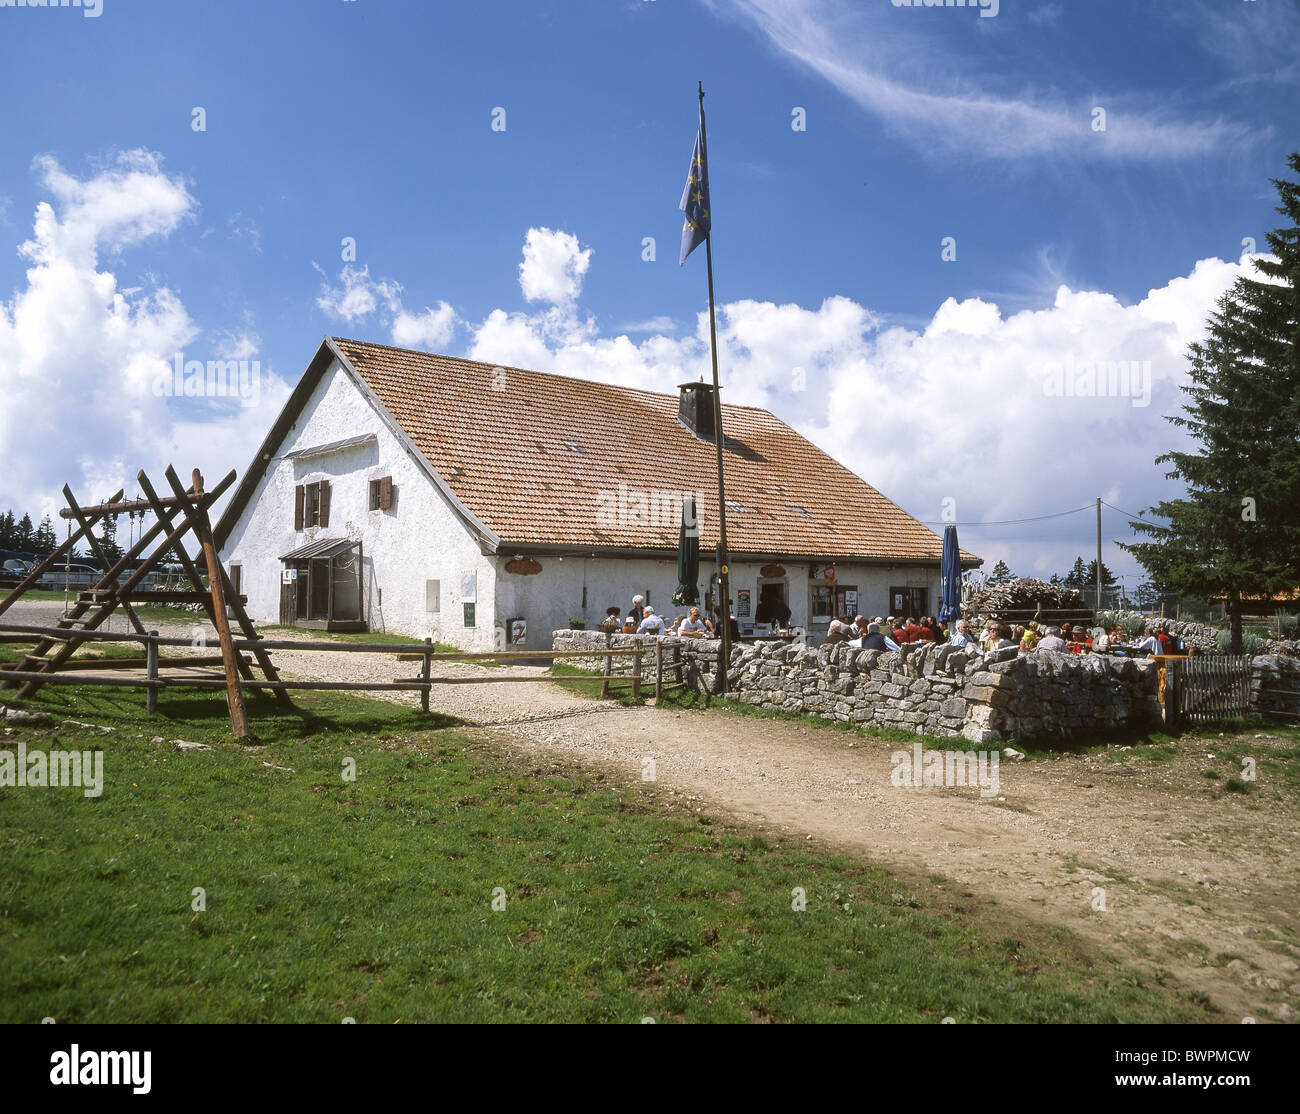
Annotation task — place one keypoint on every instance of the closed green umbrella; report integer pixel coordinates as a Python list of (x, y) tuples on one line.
[(688, 557)]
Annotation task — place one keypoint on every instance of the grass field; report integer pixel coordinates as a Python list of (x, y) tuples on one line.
[(373, 898)]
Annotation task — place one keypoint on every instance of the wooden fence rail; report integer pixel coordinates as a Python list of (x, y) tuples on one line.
[(404, 651)]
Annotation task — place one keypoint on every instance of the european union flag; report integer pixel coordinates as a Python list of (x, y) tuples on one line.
[(695, 199)]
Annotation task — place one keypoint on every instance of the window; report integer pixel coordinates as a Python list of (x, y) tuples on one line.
[(469, 614), (908, 602), (820, 609), (381, 494), (237, 579), (432, 596), (311, 505)]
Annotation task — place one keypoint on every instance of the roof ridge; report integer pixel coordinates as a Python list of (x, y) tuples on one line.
[(534, 371)]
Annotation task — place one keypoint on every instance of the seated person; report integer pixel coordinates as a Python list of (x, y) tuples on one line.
[(926, 632), (1149, 642), (1052, 643), (1166, 639), (1030, 638), (836, 633), (860, 625), (611, 618), (1002, 638), (693, 625), (733, 628), (651, 624), (874, 640), (629, 624), (961, 636)]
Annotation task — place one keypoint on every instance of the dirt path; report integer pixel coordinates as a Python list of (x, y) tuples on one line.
[(1202, 884)]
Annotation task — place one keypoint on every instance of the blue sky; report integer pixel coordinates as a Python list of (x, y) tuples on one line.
[(372, 119)]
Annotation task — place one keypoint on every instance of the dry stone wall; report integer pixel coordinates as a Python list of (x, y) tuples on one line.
[(936, 689)]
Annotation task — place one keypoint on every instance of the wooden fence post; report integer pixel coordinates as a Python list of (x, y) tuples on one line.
[(609, 661), (425, 670), (1173, 694), (636, 673), (659, 670), (151, 666)]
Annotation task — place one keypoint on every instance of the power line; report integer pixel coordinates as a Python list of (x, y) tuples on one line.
[(1009, 521), (1122, 511)]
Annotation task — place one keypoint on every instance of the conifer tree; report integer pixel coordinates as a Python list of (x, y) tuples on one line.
[(1236, 534)]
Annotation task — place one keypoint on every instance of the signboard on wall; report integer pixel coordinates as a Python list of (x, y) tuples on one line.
[(516, 631), (288, 576), (742, 603), (851, 601)]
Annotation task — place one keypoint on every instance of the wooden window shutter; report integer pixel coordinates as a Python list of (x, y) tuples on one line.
[(299, 497), (386, 493), (324, 502)]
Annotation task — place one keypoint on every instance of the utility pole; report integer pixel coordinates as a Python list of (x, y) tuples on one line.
[(1098, 607)]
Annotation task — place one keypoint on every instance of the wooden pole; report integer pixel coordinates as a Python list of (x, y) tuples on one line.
[(425, 669), (659, 670), (151, 656), (236, 602), (203, 527), (636, 674), (609, 661)]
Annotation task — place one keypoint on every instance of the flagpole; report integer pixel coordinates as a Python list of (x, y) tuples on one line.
[(724, 573)]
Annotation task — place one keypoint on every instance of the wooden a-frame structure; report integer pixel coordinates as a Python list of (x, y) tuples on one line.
[(183, 512)]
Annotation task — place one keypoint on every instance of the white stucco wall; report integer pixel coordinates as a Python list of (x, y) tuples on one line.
[(550, 598), (421, 538)]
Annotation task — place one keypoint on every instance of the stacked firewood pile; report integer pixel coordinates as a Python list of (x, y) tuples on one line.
[(1025, 598)]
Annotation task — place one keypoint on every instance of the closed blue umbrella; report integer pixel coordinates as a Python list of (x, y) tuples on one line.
[(950, 577)]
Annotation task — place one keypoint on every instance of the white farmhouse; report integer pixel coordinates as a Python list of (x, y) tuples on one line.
[(444, 498)]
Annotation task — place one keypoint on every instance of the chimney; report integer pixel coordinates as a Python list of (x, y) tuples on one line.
[(695, 409)]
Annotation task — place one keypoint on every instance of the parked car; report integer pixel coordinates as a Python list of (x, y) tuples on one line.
[(13, 572), (76, 577)]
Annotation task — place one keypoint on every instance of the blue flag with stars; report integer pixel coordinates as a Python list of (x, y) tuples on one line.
[(695, 200)]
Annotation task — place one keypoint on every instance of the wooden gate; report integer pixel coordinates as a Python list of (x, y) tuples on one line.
[(1207, 688)]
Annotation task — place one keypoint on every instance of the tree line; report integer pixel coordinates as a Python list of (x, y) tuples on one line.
[(20, 536)]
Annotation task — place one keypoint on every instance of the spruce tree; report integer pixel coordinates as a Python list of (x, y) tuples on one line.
[(1000, 573), (1077, 577), (24, 534), (1236, 534)]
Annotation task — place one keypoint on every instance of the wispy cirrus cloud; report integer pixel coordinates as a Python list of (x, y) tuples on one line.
[(930, 98)]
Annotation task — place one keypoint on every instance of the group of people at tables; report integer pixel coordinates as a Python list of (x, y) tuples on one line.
[(1033, 637), (890, 633), (641, 618)]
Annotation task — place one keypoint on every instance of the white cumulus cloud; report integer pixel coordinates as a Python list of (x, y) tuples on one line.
[(81, 353), (553, 267)]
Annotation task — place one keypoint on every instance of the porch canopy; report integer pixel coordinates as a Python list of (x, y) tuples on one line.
[(321, 585)]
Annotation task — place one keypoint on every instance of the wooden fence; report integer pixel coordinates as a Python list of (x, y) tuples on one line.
[(75, 671), (1206, 688)]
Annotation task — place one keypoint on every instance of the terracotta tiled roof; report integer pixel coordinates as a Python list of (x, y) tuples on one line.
[(532, 455)]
